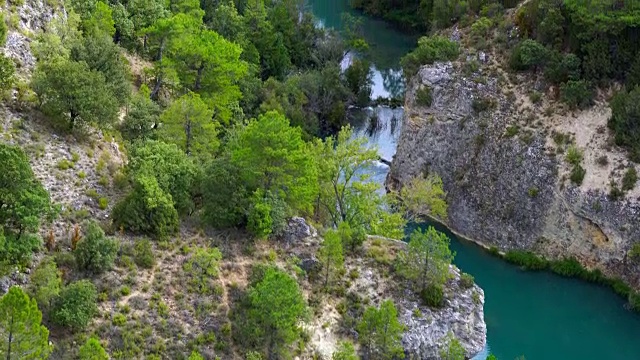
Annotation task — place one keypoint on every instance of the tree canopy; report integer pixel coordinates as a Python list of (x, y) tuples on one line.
[(22, 336)]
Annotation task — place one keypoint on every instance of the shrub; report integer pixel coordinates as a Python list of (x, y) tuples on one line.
[(629, 179), (466, 281), (143, 254), (95, 252), (480, 31), (482, 104), (615, 193), (576, 94), (76, 305), (634, 300), (574, 155), (634, 252), (526, 259), (625, 121), (147, 210), (527, 55), (569, 267), (433, 295), (424, 97), (103, 202), (533, 192), (119, 320), (602, 160), (577, 174), (430, 49)]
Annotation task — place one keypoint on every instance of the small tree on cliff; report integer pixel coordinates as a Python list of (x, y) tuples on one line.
[(380, 332), (331, 255), (423, 196), (426, 260)]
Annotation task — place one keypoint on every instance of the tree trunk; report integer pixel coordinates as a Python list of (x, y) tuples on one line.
[(10, 339), (198, 84), (187, 129)]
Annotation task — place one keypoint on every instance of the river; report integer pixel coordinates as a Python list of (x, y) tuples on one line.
[(539, 315)]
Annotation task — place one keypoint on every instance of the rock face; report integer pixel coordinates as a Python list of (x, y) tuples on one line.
[(505, 184)]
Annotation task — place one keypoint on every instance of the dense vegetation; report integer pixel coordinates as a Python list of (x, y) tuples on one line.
[(234, 124)]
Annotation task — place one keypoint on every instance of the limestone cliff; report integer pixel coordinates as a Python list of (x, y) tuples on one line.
[(507, 181)]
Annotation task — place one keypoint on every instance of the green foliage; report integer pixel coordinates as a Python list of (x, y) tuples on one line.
[(95, 252), (433, 295), (101, 21), (380, 332), (187, 123), (225, 197), (174, 171), (569, 267), (45, 283), (76, 305), (562, 68), (143, 254), (272, 157), (525, 259), (21, 334), (634, 252), (147, 209), (70, 92), (259, 221), (359, 81), (427, 258), (454, 350), (466, 280), (482, 104), (529, 54), (346, 195), (92, 350), (3, 32), (577, 174), (625, 121), (331, 256), (276, 307), (423, 96), (345, 351), (576, 94), (629, 179), (202, 266), (424, 196), (195, 356), (141, 117), (574, 155), (429, 50), (7, 72), (480, 31)]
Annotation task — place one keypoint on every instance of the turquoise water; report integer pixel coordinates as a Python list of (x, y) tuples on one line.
[(536, 314)]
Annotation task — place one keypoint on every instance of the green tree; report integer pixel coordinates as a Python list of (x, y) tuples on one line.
[(359, 80), (101, 21), (625, 121), (346, 194), (277, 306), (576, 94), (345, 351), (202, 266), (76, 305), (7, 73), (453, 349), (188, 123), (70, 92), (23, 200), (272, 157), (430, 49), (22, 336), (102, 55), (92, 350), (427, 258), (424, 196), (380, 332), (174, 171), (527, 55), (95, 252), (225, 197), (147, 209), (45, 283), (259, 221), (142, 117), (274, 56), (330, 255)]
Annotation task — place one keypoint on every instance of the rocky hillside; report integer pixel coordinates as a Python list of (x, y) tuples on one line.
[(501, 153)]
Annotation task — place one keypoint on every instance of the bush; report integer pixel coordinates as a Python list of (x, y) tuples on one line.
[(147, 210), (569, 267), (480, 31), (577, 174), (533, 192), (576, 94), (634, 252), (76, 305), (466, 281), (7, 71), (482, 104), (615, 193), (574, 155), (625, 121), (528, 55), (423, 96), (95, 252), (433, 295), (143, 254), (430, 49), (634, 301), (629, 179), (526, 259)]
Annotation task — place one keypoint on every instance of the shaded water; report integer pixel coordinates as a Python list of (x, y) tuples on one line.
[(536, 314)]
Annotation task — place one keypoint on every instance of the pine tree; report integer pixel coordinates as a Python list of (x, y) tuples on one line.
[(92, 350), (380, 332), (331, 256), (22, 336)]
